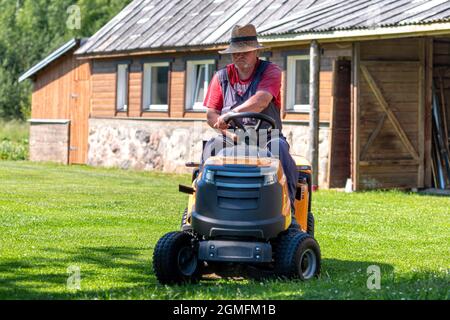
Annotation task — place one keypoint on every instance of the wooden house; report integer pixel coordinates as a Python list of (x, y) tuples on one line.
[(131, 96)]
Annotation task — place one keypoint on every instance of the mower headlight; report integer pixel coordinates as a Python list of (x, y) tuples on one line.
[(270, 178), (209, 176)]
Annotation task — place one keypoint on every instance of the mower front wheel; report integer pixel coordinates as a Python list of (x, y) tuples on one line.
[(297, 256), (175, 259)]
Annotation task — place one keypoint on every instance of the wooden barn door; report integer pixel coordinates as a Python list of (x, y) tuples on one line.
[(391, 124), (79, 114)]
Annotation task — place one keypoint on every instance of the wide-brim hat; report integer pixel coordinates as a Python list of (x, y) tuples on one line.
[(243, 39)]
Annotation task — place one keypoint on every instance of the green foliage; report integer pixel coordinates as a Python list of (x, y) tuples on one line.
[(13, 151), (107, 223), (14, 140), (30, 30)]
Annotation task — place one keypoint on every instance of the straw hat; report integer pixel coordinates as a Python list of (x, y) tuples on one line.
[(243, 39)]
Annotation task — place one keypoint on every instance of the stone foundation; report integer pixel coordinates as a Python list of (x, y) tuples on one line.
[(167, 145)]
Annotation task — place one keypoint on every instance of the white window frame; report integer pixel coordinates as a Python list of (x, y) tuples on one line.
[(291, 79), (123, 107), (191, 83), (146, 88)]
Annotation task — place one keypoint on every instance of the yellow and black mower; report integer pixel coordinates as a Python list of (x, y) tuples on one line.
[(239, 213)]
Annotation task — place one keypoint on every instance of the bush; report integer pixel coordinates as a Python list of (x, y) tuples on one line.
[(13, 151), (13, 140)]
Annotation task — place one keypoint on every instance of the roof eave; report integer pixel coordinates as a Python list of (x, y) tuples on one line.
[(151, 51)]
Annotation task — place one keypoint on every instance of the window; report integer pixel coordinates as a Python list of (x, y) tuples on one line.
[(199, 75), (298, 83), (122, 88), (155, 87)]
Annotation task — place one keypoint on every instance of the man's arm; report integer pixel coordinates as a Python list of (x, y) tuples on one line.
[(256, 103)]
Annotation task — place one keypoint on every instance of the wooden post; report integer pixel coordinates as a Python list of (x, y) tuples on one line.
[(355, 116), (314, 111), (428, 113)]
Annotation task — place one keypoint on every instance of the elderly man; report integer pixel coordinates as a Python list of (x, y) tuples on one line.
[(248, 85)]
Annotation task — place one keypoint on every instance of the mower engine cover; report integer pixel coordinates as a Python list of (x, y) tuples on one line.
[(241, 197)]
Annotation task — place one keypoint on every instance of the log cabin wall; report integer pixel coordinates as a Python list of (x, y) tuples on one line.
[(104, 84), (61, 94), (391, 114)]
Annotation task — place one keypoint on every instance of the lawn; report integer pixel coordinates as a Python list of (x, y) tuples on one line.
[(106, 222)]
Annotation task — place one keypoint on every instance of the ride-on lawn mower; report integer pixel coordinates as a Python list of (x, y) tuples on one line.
[(239, 213)]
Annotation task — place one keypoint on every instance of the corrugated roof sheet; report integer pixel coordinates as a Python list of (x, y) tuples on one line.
[(360, 14), (147, 24), (151, 24)]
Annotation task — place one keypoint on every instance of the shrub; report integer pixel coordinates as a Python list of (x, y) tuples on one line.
[(14, 150), (13, 140)]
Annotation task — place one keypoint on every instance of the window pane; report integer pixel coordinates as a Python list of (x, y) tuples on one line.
[(160, 76), (302, 82), (202, 84), (122, 74), (200, 90), (211, 70)]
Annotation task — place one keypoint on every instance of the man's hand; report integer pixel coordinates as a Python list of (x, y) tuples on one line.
[(221, 124)]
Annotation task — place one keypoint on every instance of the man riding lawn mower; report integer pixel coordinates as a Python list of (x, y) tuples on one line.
[(250, 201)]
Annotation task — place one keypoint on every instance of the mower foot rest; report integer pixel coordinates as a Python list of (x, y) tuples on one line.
[(235, 251)]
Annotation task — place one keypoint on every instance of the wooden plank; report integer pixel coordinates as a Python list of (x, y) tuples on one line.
[(421, 117), (393, 119), (373, 136), (331, 154), (392, 162), (356, 113), (428, 112), (313, 132), (412, 63)]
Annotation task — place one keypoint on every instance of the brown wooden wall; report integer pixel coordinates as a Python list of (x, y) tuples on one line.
[(104, 85), (391, 113), (62, 91)]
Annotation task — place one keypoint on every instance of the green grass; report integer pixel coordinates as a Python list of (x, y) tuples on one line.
[(13, 140), (107, 222)]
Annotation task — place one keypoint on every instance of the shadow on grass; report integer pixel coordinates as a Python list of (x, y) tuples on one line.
[(130, 276)]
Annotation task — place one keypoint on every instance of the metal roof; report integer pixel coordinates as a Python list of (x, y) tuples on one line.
[(361, 14), (149, 24), (52, 57), (152, 24)]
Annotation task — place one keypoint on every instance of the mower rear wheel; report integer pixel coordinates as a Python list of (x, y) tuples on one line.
[(311, 223), (175, 259), (297, 255)]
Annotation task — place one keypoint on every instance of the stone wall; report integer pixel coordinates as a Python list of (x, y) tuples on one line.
[(49, 141), (168, 145)]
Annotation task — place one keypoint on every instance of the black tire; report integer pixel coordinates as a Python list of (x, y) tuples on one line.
[(311, 223), (297, 255), (175, 259)]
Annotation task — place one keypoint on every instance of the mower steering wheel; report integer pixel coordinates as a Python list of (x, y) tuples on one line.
[(233, 117)]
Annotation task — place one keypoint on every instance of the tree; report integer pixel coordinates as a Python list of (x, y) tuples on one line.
[(30, 30)]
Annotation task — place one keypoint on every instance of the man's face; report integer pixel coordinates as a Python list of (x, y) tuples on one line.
[(245, 60)]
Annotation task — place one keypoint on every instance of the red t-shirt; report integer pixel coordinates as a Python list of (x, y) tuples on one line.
[(270, 82)]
